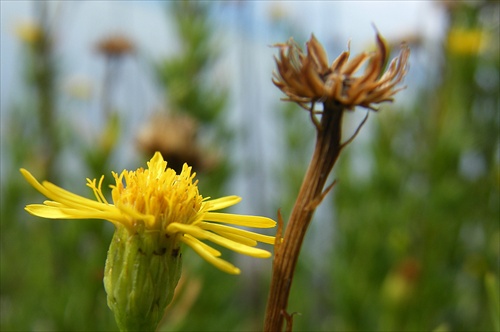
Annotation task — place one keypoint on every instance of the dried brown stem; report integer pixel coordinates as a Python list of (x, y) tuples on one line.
[(326, 152)]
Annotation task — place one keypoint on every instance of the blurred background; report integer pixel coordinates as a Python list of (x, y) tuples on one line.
[(409, 238)]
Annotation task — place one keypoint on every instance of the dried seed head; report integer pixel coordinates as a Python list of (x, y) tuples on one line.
[(115, 46), (307, 78), (176, 137)]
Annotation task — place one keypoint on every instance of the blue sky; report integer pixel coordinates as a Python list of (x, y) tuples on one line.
[(82, 23)]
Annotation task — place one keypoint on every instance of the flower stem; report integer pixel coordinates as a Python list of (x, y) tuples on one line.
[(326, 152), (44, 82)]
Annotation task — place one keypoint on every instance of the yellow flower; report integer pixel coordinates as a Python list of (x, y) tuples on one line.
[(308, 78), (29, 32), (157, 200), (467, 42)]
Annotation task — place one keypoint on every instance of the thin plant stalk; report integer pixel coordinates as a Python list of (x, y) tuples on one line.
[(44, 78), (327, 150)]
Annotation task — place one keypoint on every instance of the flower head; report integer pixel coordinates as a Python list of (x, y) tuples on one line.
[(175, 137), (467, 41), (308, 78), (159, 201), (115, 46), (29, 32)]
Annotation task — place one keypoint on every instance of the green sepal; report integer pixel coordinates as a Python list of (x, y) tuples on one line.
[(141, 273)]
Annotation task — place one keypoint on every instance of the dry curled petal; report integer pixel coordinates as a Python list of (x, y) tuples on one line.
[(307, 78)]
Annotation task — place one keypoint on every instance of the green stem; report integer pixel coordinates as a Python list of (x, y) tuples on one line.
[(44, 76)]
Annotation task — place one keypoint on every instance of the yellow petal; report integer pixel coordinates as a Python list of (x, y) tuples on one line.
[(227, 229), (53, 212), (212, 251), (199, 233), (34, 183), (223, 202), (58, 194), (44, 211), (68, 198), (238, 238), (241, 220), (217, 262)]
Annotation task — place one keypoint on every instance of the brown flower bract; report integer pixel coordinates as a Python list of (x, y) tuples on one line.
[(307, 78)]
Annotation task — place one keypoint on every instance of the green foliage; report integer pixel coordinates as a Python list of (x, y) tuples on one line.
[(415, 240), (189, 89), (415, 245), (51, 273), (184, 76)]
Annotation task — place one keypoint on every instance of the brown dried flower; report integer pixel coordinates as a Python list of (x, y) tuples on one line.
[(307, 78), (115, 45), (175, 136)]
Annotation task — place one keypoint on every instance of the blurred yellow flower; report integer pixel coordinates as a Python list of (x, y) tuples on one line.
[(28, 32), (157, 200), (79, 88), (467, 41)]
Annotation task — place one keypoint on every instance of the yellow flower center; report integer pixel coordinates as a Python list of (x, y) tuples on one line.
[(159, 192)]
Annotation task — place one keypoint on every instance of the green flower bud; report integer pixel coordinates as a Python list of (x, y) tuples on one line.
[(142, 271)]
